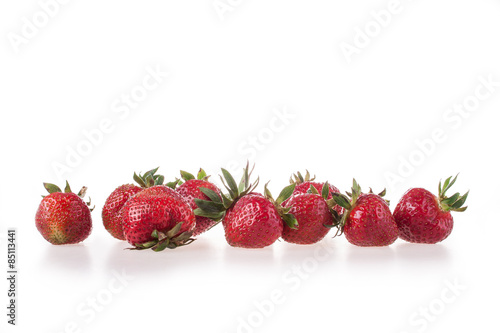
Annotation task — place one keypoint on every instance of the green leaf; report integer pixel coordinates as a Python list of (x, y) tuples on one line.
[(447, 184), (159, 180), (460, 202), (139, 180), (154, 234), (313, 189), (175, 230), (356, 190), (82, 193), (211, 194), (285, 193), (209, 206), (201, 174), (67, 189), (173, 184), (230, 181), (449, 201), (149, 181), (290, 221), (232, 194), (161, 245), (227, 202), (51, 188), (325, 190), (151, 172), (267, 193), (299, 176), (186, 175), (146, 245), (341, 200), (213, 216), (383, 193)]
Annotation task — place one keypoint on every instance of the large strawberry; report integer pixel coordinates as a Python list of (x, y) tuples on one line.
[(157, 218), (424, 218), (367, 220), (314, 216), (63, 218), (116, 200), (250, 220), (304, 184), (192, 189)]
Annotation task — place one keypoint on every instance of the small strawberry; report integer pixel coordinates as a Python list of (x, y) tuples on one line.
[(250, 220), (117, 199), (193, 188), (367, 220), (63, 218), (303, 185), (314, 215), (424, 218), (157, 218)]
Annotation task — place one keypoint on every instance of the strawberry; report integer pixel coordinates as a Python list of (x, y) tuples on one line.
[(63, 218), (191, 189), (250, 220), (117, 199), (303, 185), (367, 220), (157, 218), (314, 216), (424, 218)]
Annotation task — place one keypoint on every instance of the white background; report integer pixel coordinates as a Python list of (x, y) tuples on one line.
[(229, 74)]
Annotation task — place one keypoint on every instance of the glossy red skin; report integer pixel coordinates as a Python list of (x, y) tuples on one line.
[(252, 222), (190, 190), (312, 214), (155, 209), (159, 190), (370, 223), (305, 186), (63, 218), (420, 219), (111, 217)]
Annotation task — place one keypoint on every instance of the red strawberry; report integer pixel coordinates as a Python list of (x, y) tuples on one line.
[(314, 216), (117, 199), (424, 218), (251, 220), (193, 189), (367, 220), (157, 218), (63, 218), (304, 186)]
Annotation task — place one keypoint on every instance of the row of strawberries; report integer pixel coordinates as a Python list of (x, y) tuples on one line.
[(154, 215)]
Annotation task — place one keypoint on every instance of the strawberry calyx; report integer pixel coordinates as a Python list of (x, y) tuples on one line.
[(348, 202), (166, 240), (284, 212), (186, 176), (52, 188), (297, 178), (149, 179), (216, 206), (201, 175), (455, 202), (325, 192)]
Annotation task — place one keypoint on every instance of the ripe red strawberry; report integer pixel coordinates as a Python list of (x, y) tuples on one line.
[(117, 199), (303, 185), (157, 218), (424, 218), (367, 220), (315, 214), (251, 220), (193, 189), (63, 218)]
